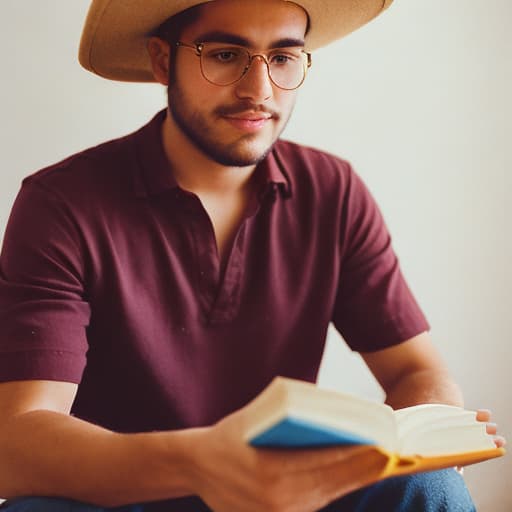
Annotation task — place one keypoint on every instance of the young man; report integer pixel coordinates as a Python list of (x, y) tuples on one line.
[(154, 285)]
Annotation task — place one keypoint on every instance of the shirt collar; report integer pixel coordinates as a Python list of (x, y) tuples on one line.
[(153, 174)]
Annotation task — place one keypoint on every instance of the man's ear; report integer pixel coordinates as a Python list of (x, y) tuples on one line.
[(158, 51)]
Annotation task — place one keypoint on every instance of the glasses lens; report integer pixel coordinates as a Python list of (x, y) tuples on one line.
[(287, 68), (223, 65)]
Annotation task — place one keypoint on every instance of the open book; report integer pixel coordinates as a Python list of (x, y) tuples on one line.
[(295, 414)]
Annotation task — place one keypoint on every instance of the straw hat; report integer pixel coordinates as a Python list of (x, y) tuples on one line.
[(114, 37)]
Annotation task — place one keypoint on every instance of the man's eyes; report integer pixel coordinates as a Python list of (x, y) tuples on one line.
[(282, 58), (225, 55), (231, 55)]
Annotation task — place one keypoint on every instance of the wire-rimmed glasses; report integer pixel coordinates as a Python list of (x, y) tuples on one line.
[(224, 64)]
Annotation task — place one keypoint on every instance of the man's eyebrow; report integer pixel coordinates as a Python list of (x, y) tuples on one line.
[(218, 36), (287, 43)]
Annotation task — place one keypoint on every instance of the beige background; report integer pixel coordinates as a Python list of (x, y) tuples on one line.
[(419, 101)]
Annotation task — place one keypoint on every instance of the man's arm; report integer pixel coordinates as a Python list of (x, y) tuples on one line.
[(46, 452), (413, 372)]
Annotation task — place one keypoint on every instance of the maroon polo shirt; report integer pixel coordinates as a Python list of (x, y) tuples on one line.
[(110, 278)]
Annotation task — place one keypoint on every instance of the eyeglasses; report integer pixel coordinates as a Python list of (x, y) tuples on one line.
[(223, 64)]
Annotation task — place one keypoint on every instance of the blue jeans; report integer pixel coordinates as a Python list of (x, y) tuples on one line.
[(438, 491)]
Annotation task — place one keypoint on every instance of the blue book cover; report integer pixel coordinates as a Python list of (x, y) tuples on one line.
[(293, 432)]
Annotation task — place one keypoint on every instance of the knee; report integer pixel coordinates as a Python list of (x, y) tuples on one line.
[(436, 491), (33, 504)]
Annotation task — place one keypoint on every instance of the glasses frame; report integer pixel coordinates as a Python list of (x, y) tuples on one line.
[(198, 49)]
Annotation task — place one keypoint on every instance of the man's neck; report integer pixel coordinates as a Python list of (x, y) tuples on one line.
[(225, 192), (197, 173)]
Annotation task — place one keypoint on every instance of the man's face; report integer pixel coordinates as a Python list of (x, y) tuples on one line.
[(235, 125)]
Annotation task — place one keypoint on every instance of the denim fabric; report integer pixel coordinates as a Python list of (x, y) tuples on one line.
[(439, 491), (34, 504)]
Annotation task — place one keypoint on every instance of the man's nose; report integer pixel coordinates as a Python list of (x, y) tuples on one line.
[(255, 84)]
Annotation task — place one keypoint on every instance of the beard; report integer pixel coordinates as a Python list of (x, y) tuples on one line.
[(242, 152)]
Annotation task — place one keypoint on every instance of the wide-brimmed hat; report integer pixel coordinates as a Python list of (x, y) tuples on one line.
[(113, 43)]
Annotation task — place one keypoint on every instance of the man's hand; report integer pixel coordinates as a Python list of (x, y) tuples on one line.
[(228, 474), (484, 415)]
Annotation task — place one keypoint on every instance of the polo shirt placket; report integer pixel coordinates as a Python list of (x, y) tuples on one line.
[(218, 292)]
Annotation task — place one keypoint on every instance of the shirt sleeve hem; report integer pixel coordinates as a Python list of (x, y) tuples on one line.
[(54, 365), (373, 342)]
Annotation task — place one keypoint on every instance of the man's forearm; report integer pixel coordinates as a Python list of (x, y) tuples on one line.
[(424, 387), (44, 453)]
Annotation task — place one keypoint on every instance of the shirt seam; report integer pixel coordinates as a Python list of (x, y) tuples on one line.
[(56, 351)]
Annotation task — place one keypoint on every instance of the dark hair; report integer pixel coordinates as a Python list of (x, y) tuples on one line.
[(172, 28)]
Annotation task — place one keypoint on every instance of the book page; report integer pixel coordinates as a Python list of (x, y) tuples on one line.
[(412, 418), (306, 403), (368, 419), (433, 429)]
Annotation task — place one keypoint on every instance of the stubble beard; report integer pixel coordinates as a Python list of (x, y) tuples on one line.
[(240, 153)]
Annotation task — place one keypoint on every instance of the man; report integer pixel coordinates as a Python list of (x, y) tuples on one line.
[(152, 286)]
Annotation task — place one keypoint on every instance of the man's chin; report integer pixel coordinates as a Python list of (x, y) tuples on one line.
[(241, 154), (237, 159)]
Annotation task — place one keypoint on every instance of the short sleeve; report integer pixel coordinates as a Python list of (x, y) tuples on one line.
[(374, 307), (43, 311)]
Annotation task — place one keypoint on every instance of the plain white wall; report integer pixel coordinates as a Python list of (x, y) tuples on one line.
[(419, 101)]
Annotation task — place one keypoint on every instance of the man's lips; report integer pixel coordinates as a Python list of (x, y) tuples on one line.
[(250, 116), (249, 121)]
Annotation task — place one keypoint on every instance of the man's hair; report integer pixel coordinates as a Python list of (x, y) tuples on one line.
[(172, 28)]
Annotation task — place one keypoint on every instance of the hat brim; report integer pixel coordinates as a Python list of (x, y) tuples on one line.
[(114, 38)]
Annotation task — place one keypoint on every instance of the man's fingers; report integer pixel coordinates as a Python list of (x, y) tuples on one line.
[(491, 428), (344, 476), (483, 415), (308, 459), (500, 441)]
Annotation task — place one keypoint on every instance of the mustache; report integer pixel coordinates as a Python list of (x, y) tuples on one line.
[(243, 107)]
